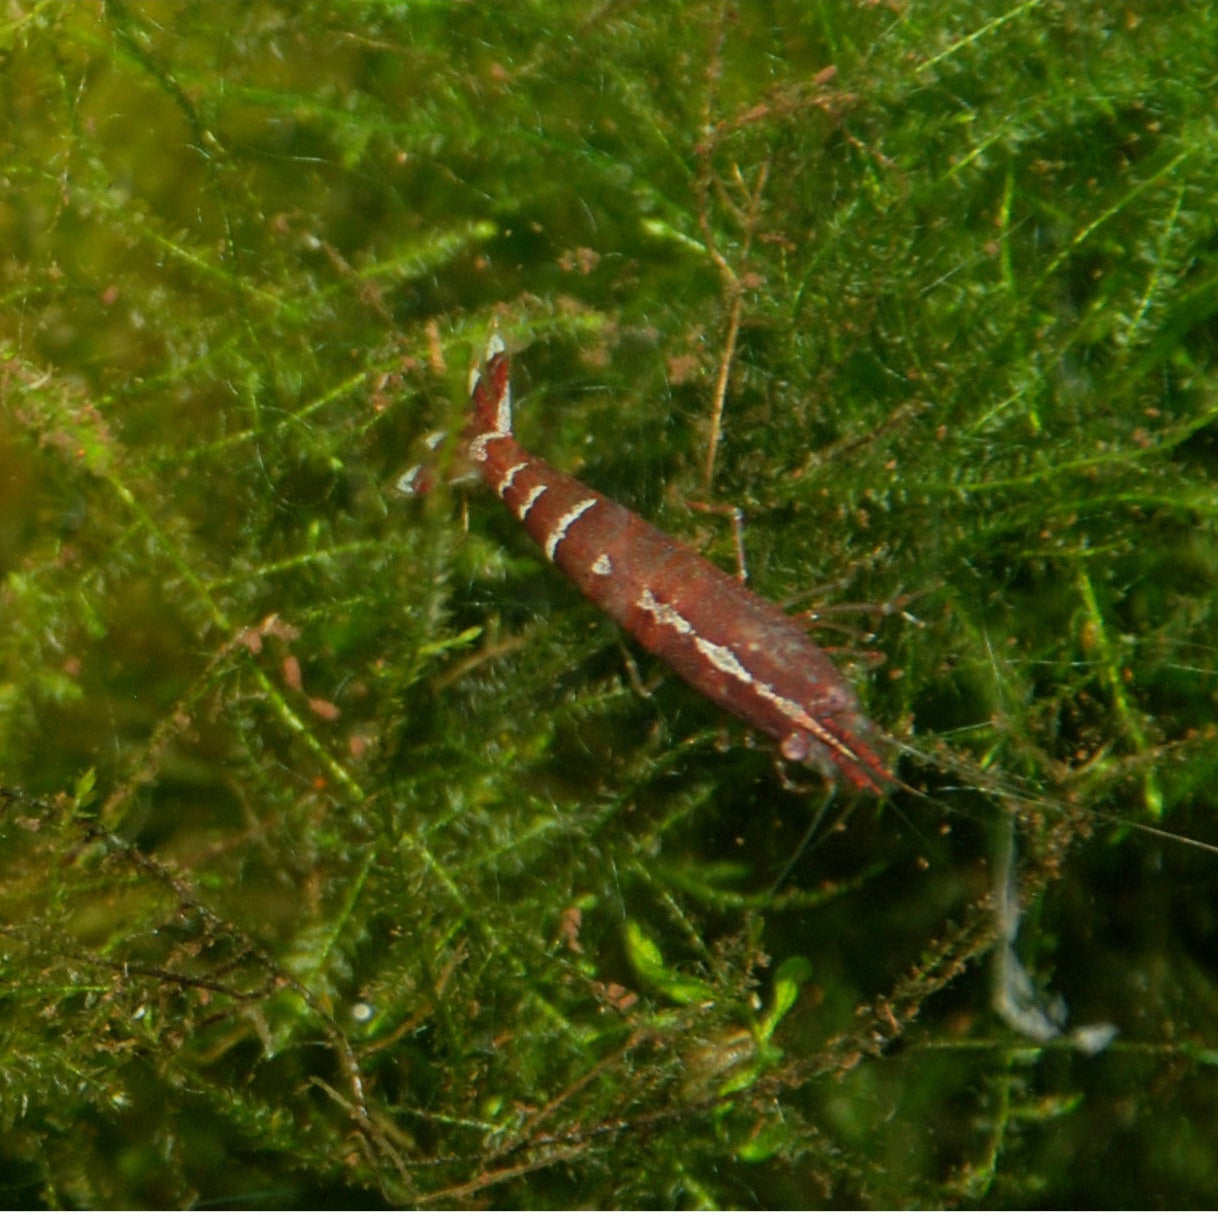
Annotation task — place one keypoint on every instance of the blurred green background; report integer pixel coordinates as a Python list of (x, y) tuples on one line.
[(343, 861)]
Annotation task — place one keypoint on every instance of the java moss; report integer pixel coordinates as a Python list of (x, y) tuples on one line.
[(349, 858)]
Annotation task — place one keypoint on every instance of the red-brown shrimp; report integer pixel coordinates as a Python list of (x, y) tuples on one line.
[(738, 649)]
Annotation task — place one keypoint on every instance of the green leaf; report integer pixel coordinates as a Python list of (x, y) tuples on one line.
[(792, 975), (765, 1143), (648, 962), (82, 793)]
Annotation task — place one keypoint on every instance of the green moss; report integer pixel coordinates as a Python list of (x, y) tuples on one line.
[(342, 860)]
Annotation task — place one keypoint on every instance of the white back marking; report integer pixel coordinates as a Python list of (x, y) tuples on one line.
[(503, 407), (505, 483), (564, 522), (525, 506), (726, 661)]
